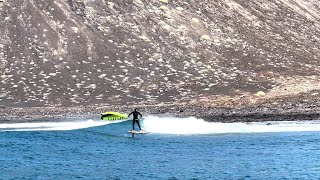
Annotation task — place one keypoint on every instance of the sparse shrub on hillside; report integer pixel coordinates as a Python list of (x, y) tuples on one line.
[(165, 1), (179, 8), (164, 8), (260, 93), (205, 37)]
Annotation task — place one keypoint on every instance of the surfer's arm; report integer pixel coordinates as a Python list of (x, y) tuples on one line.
[(130, 114), (140, 115)]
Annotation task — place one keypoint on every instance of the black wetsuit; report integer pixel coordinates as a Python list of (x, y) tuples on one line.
[(135, 119)]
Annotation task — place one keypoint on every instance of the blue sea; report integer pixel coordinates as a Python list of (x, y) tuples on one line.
[(174, 148)]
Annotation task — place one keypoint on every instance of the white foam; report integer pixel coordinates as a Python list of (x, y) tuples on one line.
[(191, 125), (54, 126)]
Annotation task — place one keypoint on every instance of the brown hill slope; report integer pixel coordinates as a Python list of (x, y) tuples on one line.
[(126, 52)]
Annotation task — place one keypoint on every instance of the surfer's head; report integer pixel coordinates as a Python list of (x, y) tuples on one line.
[(135, 109)]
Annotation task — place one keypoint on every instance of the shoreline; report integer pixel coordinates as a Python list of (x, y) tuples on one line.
[(210, 114)]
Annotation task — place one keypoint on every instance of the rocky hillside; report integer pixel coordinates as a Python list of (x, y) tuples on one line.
[(126, 52)]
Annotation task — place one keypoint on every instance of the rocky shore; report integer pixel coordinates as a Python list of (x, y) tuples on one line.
[(303, 107), (21, 115)]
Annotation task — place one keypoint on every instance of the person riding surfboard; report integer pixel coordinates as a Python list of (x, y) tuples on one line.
[(135, 118)]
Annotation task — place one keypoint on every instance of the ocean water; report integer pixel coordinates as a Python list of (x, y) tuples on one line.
[(174, 148)]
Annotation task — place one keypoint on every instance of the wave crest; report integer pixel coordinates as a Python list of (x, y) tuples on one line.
[(191, 125)]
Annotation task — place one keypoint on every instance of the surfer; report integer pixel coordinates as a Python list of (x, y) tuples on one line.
[(135, 119)]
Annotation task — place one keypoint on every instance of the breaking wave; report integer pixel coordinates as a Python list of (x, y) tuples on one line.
[(173, 125), (54, 126), (191, 125)]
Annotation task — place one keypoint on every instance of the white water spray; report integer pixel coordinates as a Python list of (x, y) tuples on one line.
[(173, 125), (191, 125), (54, 126)]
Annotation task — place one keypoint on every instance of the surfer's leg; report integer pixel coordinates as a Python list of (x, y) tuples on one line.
[(138, 124), (133, 121)]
